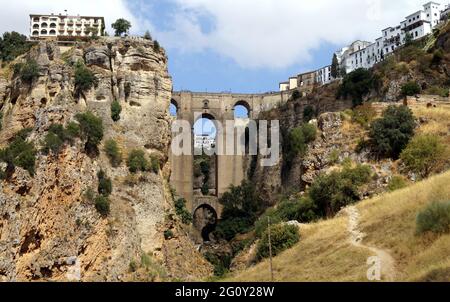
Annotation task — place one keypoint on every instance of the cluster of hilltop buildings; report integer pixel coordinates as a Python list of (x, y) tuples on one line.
[(362, 54)]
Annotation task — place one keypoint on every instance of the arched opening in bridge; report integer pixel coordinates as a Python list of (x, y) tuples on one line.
[(241, 116), (205, 221), (241, 110), (205, 159), (173, 108)]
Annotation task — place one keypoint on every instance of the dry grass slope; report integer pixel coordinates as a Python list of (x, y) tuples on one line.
[(325, 252)]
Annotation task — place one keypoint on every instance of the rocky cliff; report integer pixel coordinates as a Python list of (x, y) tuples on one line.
[(47, 229)]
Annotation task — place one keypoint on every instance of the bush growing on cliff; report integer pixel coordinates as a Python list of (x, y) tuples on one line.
[(241, 206), (57, 135), (424, 155), (84, 79), (331, 192), (137, 161), (12, 45), (282, 237), (156, 46), (102, 205), (182, 212), (91, 130), (363, 114), (358, 84), (113, 153), (104, 184), (116, 110), (434, 218), (308, 113), (19, 153), (296, 143), (410, 89), (390, 134), (27, 71)]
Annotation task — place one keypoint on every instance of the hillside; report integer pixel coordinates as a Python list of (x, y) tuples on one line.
[(326, 252)]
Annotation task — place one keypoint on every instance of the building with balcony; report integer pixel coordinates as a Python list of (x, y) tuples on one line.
[(54, 27)]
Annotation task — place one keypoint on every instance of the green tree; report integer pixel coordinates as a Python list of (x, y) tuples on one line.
[(409, 38), (113, 152), (121, 26), (156, 46), (335, 67), (91, 130), (12, 45), (282, 237), (308, 113), (147, 35), (438, 56), (102, 205), (331, 192), (182, 212), (27, 71), (84, 79), (116, 110), (137, 161), (410, 89), (390, 134), (358, 84), (104, 184), (424, 154), (19, 153)]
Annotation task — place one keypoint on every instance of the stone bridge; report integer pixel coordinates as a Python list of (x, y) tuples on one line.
[(219, 107)]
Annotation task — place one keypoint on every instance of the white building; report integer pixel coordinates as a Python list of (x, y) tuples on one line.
[(204, 141), (54, 26), (323, 75), (363, 54)]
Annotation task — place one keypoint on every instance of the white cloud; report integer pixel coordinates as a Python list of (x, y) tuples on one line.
[(14, 15), (279, 33), (254, 33)]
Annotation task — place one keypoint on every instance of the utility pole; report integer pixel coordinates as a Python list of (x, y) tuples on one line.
[(270, 250)]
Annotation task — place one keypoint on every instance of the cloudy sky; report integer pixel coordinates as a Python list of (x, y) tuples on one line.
[(237, 45)]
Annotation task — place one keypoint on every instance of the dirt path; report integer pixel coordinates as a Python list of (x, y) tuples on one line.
[(356, 237)]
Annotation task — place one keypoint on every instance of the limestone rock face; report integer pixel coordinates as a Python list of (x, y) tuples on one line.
[(49, 229)]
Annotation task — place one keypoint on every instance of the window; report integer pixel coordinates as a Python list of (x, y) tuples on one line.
[(417, 34)]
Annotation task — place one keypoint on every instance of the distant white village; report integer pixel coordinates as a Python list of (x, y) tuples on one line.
[(363, 54)]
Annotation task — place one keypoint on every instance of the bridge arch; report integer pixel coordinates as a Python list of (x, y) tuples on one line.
[(205, 220)]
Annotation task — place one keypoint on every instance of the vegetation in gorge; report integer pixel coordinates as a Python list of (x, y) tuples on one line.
[(19, 153), (91, 130), (113, 152), (13, 45), (282, 236)]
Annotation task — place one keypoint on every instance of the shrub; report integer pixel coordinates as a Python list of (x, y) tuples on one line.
[(424, 154), (410, 89), (147, 35), (72, 130), (330, 193), (240, 210), (296, 143), (116, 109), (363, 114), (295, 95), (137, 161), (102, 205), (89, 196), (221, 263), (121, 26), (155, 163), (20, 153), (282, 238), (308, 113), (156, 46), (434, 218), (113, 152), (397, 183), (27, 71), (168, 234), (437, 90), (91, 130), (104, 184), (438, 56), (52, 143), (390, 134), (182, 212), (84, 79), (13, 45), (357, 85)]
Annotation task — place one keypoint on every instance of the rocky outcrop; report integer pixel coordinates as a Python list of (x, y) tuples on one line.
[(48, 229)]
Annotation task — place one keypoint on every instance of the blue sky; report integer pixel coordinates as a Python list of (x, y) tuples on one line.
[(234, 45)]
